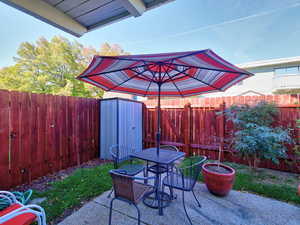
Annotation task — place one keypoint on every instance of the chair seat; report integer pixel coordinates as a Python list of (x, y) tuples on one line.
[(176, 181), (24, 219), (132, 169)]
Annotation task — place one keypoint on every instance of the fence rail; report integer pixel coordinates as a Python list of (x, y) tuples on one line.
[(197, 129), (41, 134)]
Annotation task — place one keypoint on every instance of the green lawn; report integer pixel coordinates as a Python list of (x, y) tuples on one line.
[(282, 187), (84, 184), (255, 182)]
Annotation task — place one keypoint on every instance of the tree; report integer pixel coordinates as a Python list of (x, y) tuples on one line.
[(291, 91), (51, 67)]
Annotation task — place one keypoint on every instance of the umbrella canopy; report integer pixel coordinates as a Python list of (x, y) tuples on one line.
[(179, 74), (167, 74)]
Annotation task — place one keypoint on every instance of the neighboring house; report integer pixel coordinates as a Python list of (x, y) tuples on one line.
[(270, 76), (108, 94)]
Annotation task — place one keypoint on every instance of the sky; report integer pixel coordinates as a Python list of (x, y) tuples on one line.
[(238, 30)]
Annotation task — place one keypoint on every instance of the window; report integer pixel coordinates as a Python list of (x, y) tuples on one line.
[(293, 70)]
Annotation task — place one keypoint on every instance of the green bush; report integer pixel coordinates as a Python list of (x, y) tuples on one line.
[(254, 136)]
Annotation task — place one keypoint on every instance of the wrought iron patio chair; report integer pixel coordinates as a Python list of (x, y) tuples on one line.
[(120, 154), (127, 189), (18, 214), (185, 178)]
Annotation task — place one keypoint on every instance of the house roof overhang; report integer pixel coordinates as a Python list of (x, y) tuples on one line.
[(80, 16), (270, 62)]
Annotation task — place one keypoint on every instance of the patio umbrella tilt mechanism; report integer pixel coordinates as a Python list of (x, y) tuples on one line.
[(167, 74)]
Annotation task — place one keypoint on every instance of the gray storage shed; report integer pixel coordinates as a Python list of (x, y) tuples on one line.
[(121, 124)]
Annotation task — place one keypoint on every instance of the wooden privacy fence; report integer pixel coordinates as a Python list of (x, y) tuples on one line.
[(199, 129), (41, 134)]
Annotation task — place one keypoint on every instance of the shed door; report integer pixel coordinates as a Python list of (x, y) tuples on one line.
[(130, 124), (108, 133)]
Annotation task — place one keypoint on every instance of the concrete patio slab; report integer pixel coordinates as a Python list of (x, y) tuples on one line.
[(238, 208)]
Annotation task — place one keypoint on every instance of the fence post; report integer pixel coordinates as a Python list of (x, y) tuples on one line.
[(144, 126), (222, 129), (155, 126), (187, 128)]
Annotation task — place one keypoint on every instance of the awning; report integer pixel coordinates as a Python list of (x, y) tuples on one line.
[(80, 16)]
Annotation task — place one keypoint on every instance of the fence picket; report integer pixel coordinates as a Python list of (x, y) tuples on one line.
[(198, 127), (41, 134)]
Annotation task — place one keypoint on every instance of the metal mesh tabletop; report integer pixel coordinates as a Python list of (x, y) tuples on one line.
[(165, 156)]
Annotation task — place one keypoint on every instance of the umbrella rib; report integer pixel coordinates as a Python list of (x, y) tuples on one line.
[(112, 71), (199, 80), (137, 74), (175, 85), (141, 73), (148, 88), (174, 76), (168, 65), (153, 74)]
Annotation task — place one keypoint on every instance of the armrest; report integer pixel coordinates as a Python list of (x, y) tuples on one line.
[(34, 209), (134, 177), (144, 178)]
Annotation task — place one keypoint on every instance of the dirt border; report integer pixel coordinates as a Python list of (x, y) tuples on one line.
[(44, 183)]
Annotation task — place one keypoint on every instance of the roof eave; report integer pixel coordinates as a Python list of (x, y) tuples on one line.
[(53, 16)]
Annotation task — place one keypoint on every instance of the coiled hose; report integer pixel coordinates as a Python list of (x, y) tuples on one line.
[(22, 197)]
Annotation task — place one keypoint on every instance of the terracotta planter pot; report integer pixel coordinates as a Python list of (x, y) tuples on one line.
[(216, 182)]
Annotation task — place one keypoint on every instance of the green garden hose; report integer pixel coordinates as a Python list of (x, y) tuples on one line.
[(22, 197)]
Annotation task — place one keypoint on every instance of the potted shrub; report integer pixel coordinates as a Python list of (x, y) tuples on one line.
[(219, 178), (254, 137)]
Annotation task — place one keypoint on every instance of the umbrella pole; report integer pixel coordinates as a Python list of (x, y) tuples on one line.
[(158, 121)]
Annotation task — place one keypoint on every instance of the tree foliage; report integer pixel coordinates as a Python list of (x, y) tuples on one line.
[(291, 91), (255, 137), (51, 67)]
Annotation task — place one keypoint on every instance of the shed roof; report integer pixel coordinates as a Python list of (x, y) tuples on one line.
[(80, 16)]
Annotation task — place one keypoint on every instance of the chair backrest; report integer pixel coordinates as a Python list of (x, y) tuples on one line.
[(190, 171), (169, 147), (120, 153), (123, 185)]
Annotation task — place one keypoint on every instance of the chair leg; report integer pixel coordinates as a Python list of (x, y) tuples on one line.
[(145, 173), (185, 208), (109, 195), (110, 211), (172, 195), (196, 199), (139, 214)]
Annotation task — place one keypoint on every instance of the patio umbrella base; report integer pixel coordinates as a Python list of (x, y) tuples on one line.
[(151, 199)]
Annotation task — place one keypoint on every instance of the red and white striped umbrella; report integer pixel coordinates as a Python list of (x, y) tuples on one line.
[(175, 74), (167, 74)]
